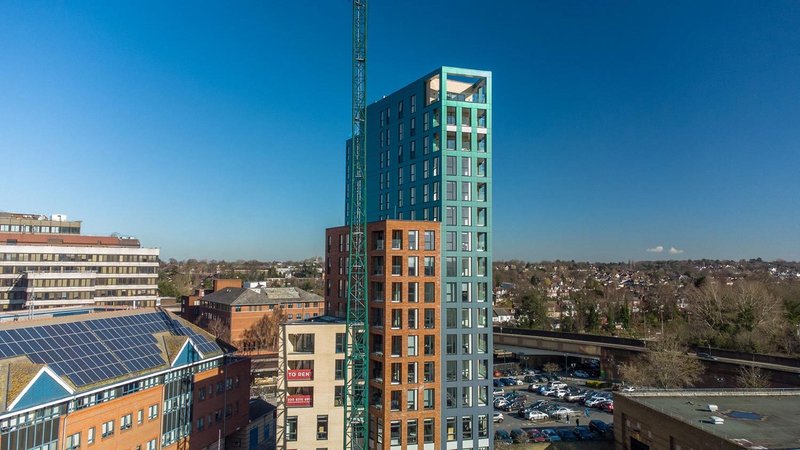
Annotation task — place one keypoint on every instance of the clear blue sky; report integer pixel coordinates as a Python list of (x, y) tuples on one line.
[(216, 130)]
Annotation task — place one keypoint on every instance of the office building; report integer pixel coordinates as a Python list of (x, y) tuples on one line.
[(46, 263), (707, 418), (310, 410), (124, 379), (429, 158)]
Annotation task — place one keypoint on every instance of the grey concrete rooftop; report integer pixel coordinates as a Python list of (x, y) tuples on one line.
[(779, 411)]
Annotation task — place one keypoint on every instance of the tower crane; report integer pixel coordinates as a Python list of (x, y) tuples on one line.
[(356, 421)]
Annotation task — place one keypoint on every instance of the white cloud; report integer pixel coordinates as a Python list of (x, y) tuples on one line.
[(656, 249), (675, 251)]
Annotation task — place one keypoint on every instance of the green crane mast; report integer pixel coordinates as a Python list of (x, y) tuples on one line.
[(356, 339)]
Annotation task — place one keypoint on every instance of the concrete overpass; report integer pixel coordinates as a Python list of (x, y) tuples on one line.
[(535, 346)]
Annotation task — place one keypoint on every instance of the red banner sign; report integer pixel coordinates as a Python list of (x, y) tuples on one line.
[(299, 401), (300, 374)]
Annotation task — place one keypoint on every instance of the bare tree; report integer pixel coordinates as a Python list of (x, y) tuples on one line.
[(752, 377), (551, 367), (219, 329), (263, 335), (665, 366)]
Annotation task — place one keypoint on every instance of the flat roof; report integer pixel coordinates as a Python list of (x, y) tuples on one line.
[(775, 424)]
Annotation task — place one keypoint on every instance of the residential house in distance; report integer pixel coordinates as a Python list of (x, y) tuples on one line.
[(124, 379), (45, 262)]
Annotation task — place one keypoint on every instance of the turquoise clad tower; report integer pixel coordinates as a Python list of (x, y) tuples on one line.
[(429, 157)]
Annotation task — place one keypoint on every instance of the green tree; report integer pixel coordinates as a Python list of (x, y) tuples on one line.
[(531, 311)]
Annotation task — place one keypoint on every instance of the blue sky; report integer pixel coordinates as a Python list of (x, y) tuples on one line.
[(216, 130)]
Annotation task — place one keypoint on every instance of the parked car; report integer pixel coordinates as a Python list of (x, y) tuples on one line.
[(607, 406), (533, 386), (536, 415), (574, 396), (536, 436), (567, 435), (599, 426), (584, 434), (561, 412), (498, 417), (503, 436), (519, 436), (498, 391), (551, 435)]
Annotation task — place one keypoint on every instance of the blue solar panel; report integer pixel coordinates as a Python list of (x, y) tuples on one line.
[(95, 350)]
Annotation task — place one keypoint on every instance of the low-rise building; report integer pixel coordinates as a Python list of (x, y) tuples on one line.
[(707, 419), (259, 434), (123, 379), (311, 384)]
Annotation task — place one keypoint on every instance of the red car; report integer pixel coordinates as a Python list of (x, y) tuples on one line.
[(607, 406), (536, 436)]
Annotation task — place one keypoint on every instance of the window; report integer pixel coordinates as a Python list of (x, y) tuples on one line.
[(483, 426), (451, 264), (483, 369), (412, 292), (450, 291), (339, 370), (108, 428), (428, 374), (425, 173), (412, 239), (466, 292), (466, 370), (482, 266), (201, 424), (451, 318), (73, 441), (397, 319), (452, 344), (413, 318), (426, 121), (450, 215), (395, 400), (412, 345), (450, 190), (483, 319), (450, 165), (430, 239), (466, 216), (152, 412), (412, 152), (428, 398), (430, 266), (411, 431), (451, 371), (413, 104), (396, 372), (466, 427), (412, 266), (466, 166), (322, 428), (411, 399), (451, 428), (430, 292), (126, 421), (90, 436), (397, 346), (399, 176), (339, 342), (466, 191), (466, 343), (394, 433), (338, 395), (428, 345), (291, 428), (483, 343), (151, 444), (430, 318), (466, 318)]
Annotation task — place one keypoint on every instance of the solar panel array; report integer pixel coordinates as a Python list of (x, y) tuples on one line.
[(94, 350)]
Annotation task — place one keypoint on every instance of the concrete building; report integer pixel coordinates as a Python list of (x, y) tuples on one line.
[(707, 419), (429, 158), (311, 385), (405, 330), (46, 263), (125, 379)]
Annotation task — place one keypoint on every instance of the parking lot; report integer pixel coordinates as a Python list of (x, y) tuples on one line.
[(581, 413)]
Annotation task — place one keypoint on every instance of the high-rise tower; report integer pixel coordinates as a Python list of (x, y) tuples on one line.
[(429, 158)]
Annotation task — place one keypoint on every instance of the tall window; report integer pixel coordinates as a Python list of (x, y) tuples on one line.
[(108, 428), (412, 266), (73, 441), (427, 431), (430, 239), (412, 239), (322, 428), (291, 428)]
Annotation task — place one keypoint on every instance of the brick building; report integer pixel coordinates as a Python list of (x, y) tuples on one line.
[(140, 379), (404, 326)]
